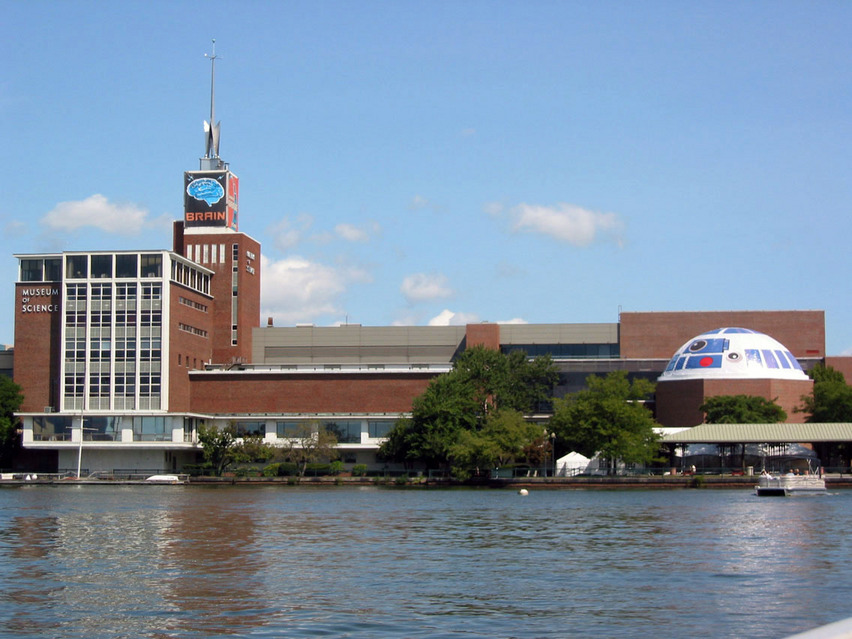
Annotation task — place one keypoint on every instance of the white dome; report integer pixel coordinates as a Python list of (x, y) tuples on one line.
[(733, 353)]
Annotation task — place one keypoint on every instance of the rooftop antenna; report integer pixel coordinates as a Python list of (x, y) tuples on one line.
[(211, 160)]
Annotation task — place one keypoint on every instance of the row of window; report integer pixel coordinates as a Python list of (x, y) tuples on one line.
[(105, 428), (98, 266), (193, 304), (192, 329), (206, 253), (190, 277), (567, 351), (347, 431), (152, 428)]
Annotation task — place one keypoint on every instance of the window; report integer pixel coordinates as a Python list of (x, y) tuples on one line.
[(102, 429), (51, 428), (32, 270), (152, 265), (251, 429), (379, 427), (150, 429), (76, 266), (127, 266), (53, 270), (346, 431), (289, 430), (101, 266)]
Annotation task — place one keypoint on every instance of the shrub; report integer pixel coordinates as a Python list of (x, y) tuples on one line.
[(271, 470), (359, 470)]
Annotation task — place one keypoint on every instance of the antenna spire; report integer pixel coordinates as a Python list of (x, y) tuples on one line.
[(211, 159)]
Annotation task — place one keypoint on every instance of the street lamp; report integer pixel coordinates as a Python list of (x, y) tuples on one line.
[(553, 451)]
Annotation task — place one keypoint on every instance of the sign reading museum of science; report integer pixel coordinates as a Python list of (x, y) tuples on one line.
[(211, 198), (44, 301)]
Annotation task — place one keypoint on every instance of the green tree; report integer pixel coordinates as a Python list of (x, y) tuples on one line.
[(252, 449), (504, 439), (483, 382), (10, 438), (831, 399), (741, 409), (218, 446), (609, 419), (310, 444)]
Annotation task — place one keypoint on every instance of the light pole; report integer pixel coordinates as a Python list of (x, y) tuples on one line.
[(553, 451)]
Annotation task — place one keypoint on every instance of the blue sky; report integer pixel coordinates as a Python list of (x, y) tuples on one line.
[(446, 162)]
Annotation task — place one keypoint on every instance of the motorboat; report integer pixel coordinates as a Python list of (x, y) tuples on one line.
[(783, 485), (165, 479)]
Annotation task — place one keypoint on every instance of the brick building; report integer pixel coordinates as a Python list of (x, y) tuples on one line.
[(122, 355)]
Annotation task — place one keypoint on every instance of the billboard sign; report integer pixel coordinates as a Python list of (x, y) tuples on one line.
[(210, 199)]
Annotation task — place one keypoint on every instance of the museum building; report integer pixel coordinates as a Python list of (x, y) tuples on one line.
[(122, 355)]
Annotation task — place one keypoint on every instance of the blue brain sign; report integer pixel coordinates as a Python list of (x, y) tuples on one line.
[(206, 189)]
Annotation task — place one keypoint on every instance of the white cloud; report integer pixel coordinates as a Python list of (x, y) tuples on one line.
[(517, 320), (420, 203), (422, 287), (288, 233), (493, 208), (566, 222), (295, 290), (452, 318), (351, 233), (98, 212)]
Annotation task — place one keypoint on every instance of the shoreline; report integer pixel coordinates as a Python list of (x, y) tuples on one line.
[(667, 482)]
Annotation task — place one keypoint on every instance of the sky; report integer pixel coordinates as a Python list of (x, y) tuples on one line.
[(447, 162)]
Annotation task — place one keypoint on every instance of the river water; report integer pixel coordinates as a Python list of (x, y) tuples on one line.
[(283, 561)]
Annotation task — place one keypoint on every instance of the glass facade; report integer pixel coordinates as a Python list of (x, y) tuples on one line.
[(52, 428), (347, 431), (379, 427), (251, 429), (566, 351), (150, 429), (113, 329)]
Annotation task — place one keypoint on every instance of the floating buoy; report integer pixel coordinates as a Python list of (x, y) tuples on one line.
[(523, 492)]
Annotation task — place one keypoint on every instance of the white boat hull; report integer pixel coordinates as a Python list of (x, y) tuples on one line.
[(789, 485)]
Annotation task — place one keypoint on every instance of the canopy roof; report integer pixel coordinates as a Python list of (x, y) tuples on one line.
[(761, 434)]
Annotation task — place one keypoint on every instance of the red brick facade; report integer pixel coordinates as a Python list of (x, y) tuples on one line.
[(487, 335), (223, 393), (247, 271), (842, 364), (678, 400), (659, 335), (38, 326), (190, 331)]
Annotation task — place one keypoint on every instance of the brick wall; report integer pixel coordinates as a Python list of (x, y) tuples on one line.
[(842, 364), (305, 393), (678, 401), (659, 335), (487, 335), (187, 350), (38, 320)]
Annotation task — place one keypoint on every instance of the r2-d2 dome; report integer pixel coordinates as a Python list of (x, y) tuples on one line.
[(731, 353)]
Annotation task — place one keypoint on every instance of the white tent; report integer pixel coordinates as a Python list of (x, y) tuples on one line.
[(576, 464)]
